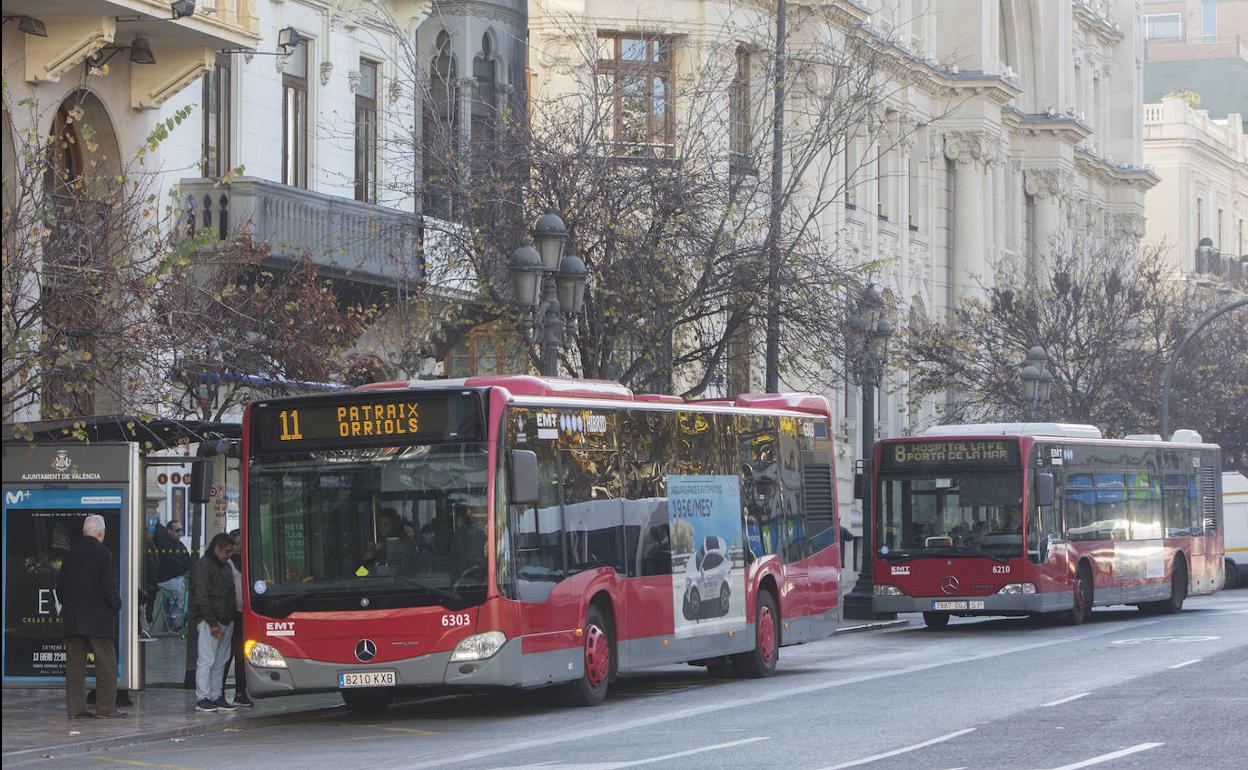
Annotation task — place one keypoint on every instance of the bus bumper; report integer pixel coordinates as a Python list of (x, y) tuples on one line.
[(506, 668), (993, 604)]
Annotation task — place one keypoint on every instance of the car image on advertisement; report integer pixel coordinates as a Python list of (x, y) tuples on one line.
[(707, 593)]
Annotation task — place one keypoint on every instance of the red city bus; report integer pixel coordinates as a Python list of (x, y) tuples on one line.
[(520, 531), (1024, 519)]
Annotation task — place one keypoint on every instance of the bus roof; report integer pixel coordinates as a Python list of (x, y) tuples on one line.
[(563, 387), (1063, 430)]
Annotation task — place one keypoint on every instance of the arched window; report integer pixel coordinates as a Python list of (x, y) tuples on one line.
[(440, 126), (484, 106)]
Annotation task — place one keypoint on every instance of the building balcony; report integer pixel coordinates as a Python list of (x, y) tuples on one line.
[(345, 239), (183, 48)]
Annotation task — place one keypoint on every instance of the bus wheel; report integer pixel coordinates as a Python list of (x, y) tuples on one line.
[(936, 620), (761, 661), (1178, 589), (368, 701), (1232, 575), (591, 688), (725, 599), (1083, 597)]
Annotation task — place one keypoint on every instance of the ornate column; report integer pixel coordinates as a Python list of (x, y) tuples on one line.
[(467, 92), (973, 151), (1050, 188)]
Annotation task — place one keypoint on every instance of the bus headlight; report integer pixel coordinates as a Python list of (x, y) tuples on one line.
[(887, 590), (478, 646), (262, 655), (1018, 588)]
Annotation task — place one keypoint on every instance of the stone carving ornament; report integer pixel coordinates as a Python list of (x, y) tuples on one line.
[(979, 147), (1046, 183)]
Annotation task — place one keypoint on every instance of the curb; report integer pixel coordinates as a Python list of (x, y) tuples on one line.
[(236, 722), (871, 627)]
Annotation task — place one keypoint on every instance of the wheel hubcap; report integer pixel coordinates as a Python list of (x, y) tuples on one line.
[(597, 656), (766, 635)]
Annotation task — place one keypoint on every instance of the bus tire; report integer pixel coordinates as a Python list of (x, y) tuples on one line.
[(1084, 594), (597, 648), (760, 662), (1178, 589), (368, 701), (1232, 575), (936, 620)]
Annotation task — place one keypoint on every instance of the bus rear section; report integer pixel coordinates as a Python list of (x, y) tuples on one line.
[(523, 532), (1006, 519)]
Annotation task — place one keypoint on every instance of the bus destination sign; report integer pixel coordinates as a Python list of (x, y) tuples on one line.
[(375, 420), (930, 454)]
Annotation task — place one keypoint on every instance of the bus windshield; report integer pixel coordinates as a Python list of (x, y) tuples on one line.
[(347, 529), (950, 513)]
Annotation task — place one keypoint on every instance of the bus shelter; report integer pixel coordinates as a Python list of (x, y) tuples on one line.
[(55, 474)]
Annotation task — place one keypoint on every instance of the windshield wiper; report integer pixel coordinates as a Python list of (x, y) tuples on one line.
[(944, 550)]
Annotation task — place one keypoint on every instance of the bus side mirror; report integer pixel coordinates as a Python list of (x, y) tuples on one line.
[(1044, 489), (860, 482), (521, 476)]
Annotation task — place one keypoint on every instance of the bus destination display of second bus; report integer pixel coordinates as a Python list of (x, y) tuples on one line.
[(932, 453)]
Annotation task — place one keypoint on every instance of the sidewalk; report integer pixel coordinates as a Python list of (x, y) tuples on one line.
[(34, 720)]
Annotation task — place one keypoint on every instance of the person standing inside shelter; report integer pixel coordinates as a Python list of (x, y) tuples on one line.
[(171, 568), (212, 613), (87, 588)]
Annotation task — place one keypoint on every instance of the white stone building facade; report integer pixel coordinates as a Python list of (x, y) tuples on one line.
[(1015, 127), (1203, 192)]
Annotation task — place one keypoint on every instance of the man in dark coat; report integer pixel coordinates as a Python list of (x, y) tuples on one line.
[(87, 589), (212, 614)]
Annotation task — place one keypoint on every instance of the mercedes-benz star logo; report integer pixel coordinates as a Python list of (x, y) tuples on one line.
[(948, 584), (365, 650)]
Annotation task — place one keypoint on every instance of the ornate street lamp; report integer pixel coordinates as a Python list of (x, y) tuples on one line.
[(1037, 382), (549, 286), (867, 350)]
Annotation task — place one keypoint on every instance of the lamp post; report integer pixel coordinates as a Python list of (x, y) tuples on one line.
[(867, 351), (1037, 382), (549, 286)]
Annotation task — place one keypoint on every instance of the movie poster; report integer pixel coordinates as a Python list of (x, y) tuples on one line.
[(40, 526), (708, 573)]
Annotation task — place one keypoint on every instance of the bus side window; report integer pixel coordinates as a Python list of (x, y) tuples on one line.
[(592, 495), (537, 529), (760, 484), (796, 546), (646, 441)]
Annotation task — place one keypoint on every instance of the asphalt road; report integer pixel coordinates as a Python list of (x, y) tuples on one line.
[(1122, 691)]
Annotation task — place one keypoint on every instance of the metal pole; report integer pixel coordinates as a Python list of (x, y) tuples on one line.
[(1174, 361), (773, 225), (858, 603), (551, 331)]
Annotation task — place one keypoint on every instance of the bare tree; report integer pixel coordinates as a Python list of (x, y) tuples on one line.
[(666, 192), (1109, 323)]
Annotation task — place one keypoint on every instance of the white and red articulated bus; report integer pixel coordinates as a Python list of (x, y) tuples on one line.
[(517, 531), (1026, 519)]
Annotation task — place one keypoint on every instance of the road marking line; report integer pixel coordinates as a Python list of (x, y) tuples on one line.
[(903, 750), (1060, 701), (1185, 663), (666, 717), (1136, 749), (687, 752), (137, 763), (410, 730)]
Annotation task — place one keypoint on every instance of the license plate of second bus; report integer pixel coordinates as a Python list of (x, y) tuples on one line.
[(367, 679), (967, 605)]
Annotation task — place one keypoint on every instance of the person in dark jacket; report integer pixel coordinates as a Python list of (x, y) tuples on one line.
[(171, 568), (236, 648), (87, 589), (212, 613)]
